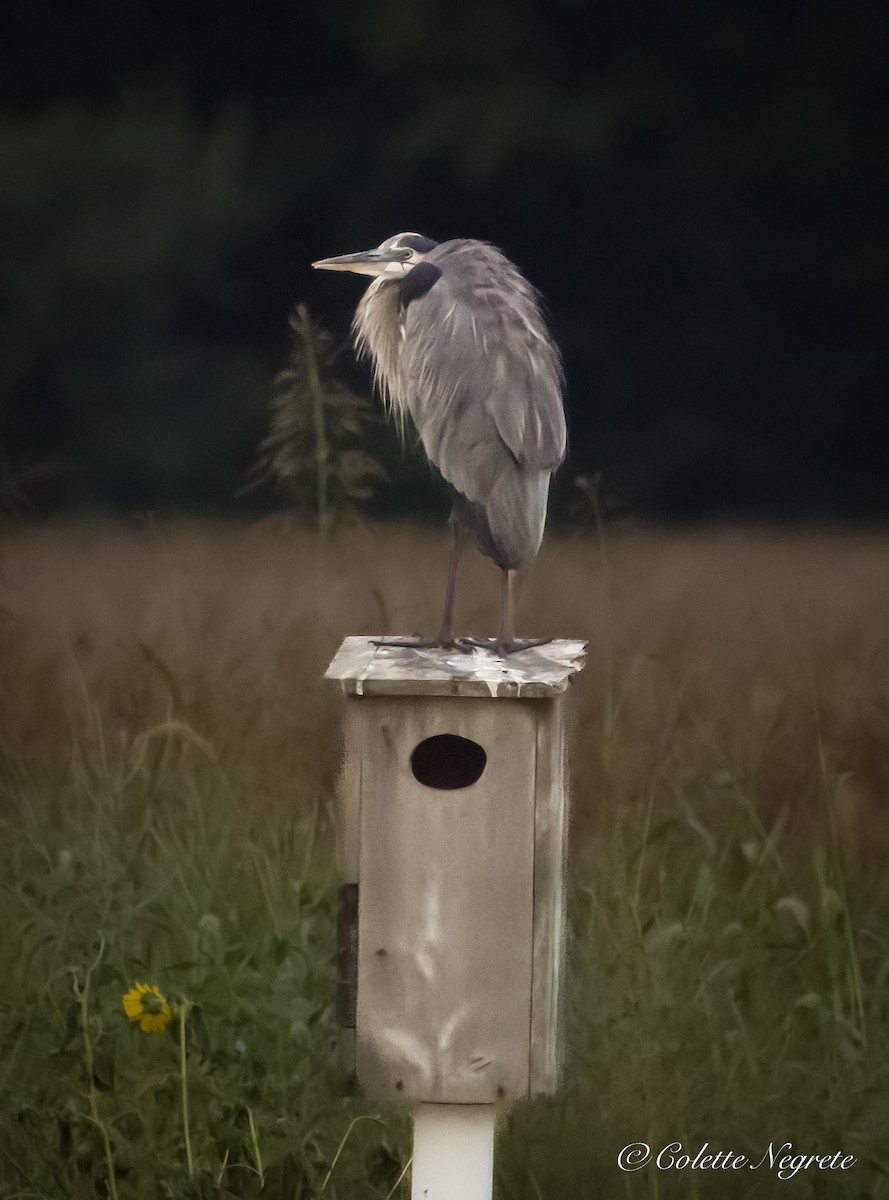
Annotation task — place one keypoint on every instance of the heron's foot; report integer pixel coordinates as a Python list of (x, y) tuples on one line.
[(501, 646), (422, 643)]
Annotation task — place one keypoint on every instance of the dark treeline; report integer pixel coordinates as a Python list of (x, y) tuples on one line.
[(698, 189)]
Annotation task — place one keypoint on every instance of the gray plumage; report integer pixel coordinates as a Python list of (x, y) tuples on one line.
[(458, 343), (473, 364)]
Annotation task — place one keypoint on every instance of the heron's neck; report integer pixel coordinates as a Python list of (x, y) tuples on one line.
[(379, 335)]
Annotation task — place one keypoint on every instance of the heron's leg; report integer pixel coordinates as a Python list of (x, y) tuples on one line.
[(506, 642), (445, 636), (446, 632)]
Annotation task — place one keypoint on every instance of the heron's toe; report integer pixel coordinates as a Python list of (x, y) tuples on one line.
[(420, 643), (501, 647)]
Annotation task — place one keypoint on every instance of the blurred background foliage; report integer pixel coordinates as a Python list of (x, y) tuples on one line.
[(312, 454), (699, 190)]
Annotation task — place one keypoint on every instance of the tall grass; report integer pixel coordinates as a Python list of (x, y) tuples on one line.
[(167, 768), (146, 859)]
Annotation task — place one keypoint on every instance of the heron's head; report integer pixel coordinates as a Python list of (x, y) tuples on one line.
[(392, 258)]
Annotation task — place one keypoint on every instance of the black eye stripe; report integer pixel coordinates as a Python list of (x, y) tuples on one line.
[(416, 241), (418, 282)]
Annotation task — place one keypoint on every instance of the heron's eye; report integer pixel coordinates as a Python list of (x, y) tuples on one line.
[(390, 254)]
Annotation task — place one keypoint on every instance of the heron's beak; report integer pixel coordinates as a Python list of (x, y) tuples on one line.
[(365, 262)]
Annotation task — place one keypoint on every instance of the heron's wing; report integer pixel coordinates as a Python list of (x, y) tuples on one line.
[(484, 375)]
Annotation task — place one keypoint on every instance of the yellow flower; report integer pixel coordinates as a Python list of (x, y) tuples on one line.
[(145, 1003)]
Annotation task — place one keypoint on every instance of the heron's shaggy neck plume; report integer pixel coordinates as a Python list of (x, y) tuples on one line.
[(379, 335)]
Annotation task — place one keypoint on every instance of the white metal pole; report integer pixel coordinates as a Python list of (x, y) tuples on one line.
[(453, 1152)]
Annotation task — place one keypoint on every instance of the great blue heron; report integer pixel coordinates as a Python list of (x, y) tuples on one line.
[(458, 342)]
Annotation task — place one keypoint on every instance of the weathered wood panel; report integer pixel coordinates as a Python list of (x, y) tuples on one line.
[(364, 669), (446, 907), (348, 806), (549, 862)]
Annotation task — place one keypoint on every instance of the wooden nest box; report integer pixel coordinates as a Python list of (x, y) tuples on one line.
[(452, 816)]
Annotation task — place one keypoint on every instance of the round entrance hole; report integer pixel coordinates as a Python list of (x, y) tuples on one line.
[(447, 762)]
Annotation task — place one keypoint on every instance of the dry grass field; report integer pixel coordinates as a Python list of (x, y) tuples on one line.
[(761, 654), (167, 765)]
